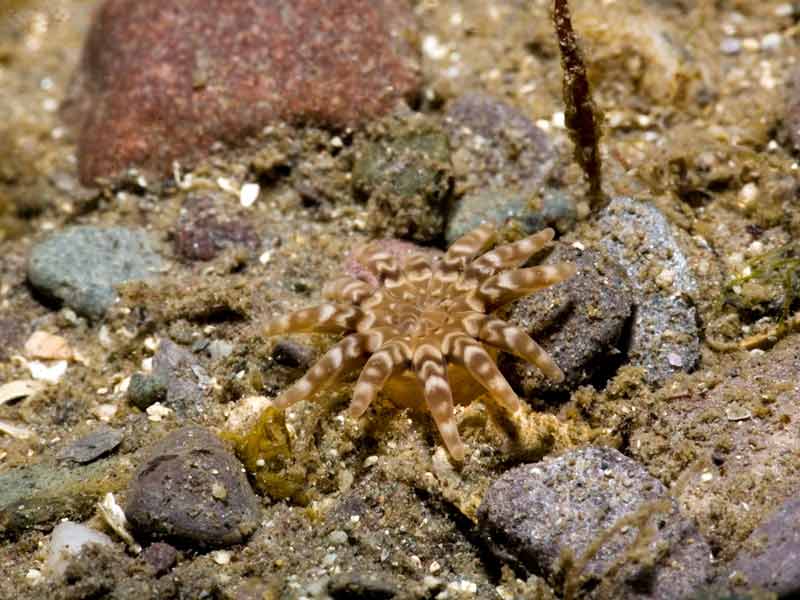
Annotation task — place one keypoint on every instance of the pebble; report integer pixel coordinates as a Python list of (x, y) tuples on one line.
[(497, 146), (203, 230), (162, 557), (510, 206), (66, 541), (535, 512), (403, 171), (177, 368), (12, 333), (101, 441), (145, 390), (81, 265), (171, 495), (770, 558), (153, 69), (664, 335), (580, 322)]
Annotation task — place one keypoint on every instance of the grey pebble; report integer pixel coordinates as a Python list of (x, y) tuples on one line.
[(101, 441), (665, 338), (145, 390), (183, 378), (81, 265), (770, 557), (535, 513), (192, 490), (579, 322)]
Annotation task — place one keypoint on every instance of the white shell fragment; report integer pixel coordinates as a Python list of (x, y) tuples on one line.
[(21, 388), (249, 194), (15, 431), (66, 541), (51, 373), (114, 516)]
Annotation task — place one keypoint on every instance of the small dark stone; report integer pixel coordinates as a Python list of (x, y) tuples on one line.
[(770, 558), (203, 230), (183, 377), (291, 354), (101, 441), (358, 587), (403, 171), (146, 390), (665, 338), (193, 491), (162, 557), (579, 322), (81, 265), (535, 513)]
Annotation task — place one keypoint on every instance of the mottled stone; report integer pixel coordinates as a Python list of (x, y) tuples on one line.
[(145, 390), (192, 490), (535, 513), (81, 265), (770, 558), (35, 496), (12, 335), (164, 80), (90, 447), (402, 170), (182, 376), (162, 557), (579, 322), (665, 338), (204, 229), (495, 146), (528, 212)]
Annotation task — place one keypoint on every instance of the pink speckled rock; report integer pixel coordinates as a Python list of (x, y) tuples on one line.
[(162, 80)]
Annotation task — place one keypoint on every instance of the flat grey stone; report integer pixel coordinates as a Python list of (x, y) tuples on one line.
[(665, 338), (90, 447), (192, 490), (535, 513), (182, 377), (81, 265)]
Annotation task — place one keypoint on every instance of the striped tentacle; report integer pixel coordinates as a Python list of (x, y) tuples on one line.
[(512, 339), (509, 285), (394, 356), (341, 358), (448, 270), (347, 289), (507, 256), (324, 318), (465, 351), (431, 370)]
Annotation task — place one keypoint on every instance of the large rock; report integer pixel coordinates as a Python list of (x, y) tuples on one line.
[(81, 265), (536, 513), (665, 338), (579, 322), (163, 80), (192, 490)]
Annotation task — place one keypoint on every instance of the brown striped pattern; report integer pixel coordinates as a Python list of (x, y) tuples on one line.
[(423, 315)]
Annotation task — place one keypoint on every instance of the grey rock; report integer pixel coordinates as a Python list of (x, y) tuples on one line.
[(535, 513), (665, 338), (81, 265), (529, 212), (145, 390), (183, 378), (403, 171), (101, 441), (578, 321), (35, 496), (192, 490), (219, 349), (162, 557), (770, 558), (496, 145)]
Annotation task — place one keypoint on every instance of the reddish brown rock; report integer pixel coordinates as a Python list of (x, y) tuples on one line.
[(165, 79)]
